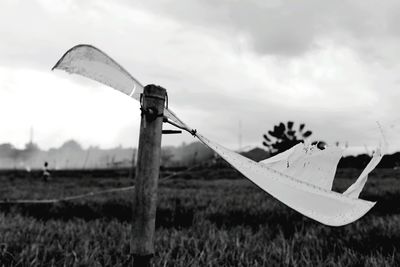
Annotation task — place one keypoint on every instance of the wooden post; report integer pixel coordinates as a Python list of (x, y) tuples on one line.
[(146, 176)]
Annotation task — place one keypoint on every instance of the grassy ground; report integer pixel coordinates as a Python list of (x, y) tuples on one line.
[(200, 222)]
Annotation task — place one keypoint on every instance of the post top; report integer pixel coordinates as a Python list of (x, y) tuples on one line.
[(154, 90)]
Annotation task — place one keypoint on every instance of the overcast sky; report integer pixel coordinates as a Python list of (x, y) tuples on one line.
[(333, 65)]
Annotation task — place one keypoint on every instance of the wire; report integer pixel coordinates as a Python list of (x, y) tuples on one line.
[(94, 193)]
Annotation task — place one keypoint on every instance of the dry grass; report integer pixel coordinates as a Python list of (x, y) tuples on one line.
[(199, 223)]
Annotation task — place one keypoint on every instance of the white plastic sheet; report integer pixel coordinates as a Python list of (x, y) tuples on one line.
[(325, 206), (91, 62), (300, 177), (355, 189), (308, 163)]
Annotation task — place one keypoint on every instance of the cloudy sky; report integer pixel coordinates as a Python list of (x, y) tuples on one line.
[(333, 65)]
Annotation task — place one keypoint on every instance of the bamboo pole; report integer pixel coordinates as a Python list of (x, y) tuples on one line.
[(146, 176)]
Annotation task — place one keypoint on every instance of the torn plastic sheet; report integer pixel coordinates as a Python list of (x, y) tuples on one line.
[(318, 167), (91, 62), (355, 189), (308, 163), (300, 177), (325, 206)]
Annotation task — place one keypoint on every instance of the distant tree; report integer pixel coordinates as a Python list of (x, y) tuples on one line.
[(71, 145), (283, 137), (7, 150), (320, 144)]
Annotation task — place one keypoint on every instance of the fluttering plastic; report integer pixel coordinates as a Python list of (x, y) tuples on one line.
[(300, 177), (355, 189), (91, 62), (308, 163), (321, 204)]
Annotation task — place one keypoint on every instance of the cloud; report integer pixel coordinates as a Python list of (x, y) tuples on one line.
[(333, 65), (288, 28)]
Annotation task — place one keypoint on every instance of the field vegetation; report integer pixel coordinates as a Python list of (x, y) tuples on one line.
[(204, 218)]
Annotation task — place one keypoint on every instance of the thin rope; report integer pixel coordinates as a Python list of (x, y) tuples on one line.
[(93, 193)]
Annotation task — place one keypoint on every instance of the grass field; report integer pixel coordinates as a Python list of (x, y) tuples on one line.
[(206, 218)]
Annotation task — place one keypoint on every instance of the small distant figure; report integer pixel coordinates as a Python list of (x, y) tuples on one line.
[(46, 173)]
